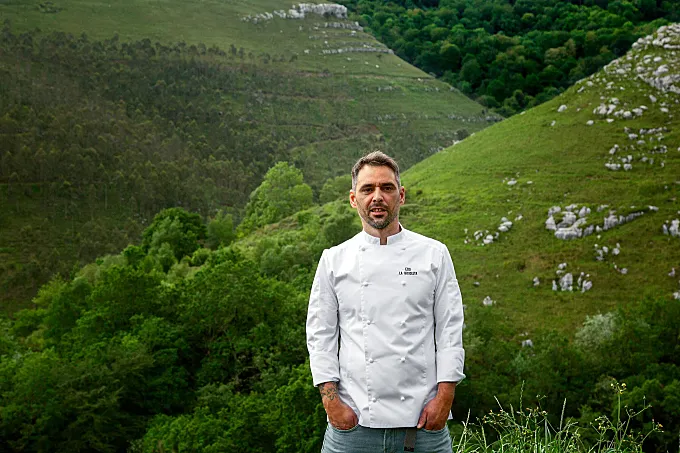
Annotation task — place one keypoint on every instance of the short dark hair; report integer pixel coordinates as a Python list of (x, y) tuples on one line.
[(375, 159)]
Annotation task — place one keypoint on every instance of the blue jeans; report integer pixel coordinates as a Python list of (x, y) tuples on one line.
[(383, 440)]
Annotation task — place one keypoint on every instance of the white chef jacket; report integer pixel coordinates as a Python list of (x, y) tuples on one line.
[(385, 322)]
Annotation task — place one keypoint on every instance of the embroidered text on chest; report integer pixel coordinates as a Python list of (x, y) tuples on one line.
[(408, 271)]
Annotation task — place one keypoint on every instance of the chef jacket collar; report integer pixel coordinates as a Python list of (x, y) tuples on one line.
[(390, 239)]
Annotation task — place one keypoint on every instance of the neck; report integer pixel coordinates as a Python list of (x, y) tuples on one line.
[(392, 229)]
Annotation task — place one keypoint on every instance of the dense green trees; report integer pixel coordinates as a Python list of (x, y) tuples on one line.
[(220, 230), (178, 229), (511, 55), (209, 354), (282, 193), (335, 188), (121, 343)]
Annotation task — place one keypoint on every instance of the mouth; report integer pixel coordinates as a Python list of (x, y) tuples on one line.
[(378, 211)]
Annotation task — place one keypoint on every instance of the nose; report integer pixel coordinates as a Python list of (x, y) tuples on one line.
[(377, 194)]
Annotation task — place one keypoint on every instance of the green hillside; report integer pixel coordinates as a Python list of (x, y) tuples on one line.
[(506, 182), (553, 156), (557, 155), (171, 345), (110, 112)]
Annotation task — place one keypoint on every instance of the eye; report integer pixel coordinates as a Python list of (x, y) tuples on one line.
[(366, 190)]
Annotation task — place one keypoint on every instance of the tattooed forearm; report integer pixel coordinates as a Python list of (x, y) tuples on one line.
[(329, 390)]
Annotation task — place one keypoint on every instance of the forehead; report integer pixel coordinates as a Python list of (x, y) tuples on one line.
[(376, 175)]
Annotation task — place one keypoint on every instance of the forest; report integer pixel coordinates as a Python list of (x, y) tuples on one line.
[(511, 55)]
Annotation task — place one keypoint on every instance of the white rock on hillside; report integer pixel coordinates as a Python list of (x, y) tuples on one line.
[(673, 229), (571, 227), (301, 10), (664, 77), (567, 282)]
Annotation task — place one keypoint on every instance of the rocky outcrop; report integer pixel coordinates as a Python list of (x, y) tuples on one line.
[(300, 11)]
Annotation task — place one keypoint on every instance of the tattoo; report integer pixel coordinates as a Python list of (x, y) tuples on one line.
[(329, 390)]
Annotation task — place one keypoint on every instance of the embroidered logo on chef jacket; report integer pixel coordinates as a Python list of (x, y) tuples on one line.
[(408, 271)]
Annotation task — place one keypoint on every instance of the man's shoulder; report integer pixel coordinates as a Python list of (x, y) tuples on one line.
[(425, 241)]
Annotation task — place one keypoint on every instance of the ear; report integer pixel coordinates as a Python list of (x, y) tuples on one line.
[(402, 195), (352, 199)]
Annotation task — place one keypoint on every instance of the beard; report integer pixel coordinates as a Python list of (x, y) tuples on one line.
[(379, 224)]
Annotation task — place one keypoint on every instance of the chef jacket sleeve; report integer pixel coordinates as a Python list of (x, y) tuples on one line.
[(448, 318), (322, 326)]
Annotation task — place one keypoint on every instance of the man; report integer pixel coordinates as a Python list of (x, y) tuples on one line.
[(384, 327)]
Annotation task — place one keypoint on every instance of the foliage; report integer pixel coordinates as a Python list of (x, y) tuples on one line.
[(340, 225), (176, 229), (335, 188), (210, 355), (104, 355), (597, 331), (532, 430), (220, 230), (511, 55), (282, 193)]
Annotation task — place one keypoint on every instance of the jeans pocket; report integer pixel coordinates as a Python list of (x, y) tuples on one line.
[(338, 430), (434, 431)]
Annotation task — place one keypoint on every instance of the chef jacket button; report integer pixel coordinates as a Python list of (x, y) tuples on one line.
[(368, 322), (370, 360), (403, 248), (402, 323), (403, 283), (374, 399), (364, 284), (362, 248), (403, 359), (402, 398)]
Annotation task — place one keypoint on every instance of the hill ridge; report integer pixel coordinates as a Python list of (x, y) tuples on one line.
[(621, 188), (116, 116), (491, 197)]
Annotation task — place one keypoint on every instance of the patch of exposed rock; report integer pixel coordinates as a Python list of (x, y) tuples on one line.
[(565, 280), (654, 62), (300, 11), (572, 221)]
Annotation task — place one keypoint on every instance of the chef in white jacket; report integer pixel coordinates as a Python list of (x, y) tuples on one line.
[(384, 327)]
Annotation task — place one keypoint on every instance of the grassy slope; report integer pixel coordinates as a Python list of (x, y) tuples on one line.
[(210, 22), (465, 187), (412, 119), (357, 80)]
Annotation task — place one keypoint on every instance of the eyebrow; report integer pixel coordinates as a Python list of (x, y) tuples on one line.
[(387, 184)]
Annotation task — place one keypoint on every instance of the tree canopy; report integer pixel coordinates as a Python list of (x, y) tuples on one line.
[(281, 193), (511, 55), (209, 354)]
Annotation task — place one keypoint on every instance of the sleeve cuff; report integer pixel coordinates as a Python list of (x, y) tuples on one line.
[(450, 363), (324, 369)]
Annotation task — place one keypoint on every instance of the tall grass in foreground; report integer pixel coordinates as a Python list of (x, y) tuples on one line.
[(530, 431)]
